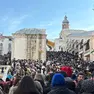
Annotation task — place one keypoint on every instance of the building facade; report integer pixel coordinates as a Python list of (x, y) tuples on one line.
[(61, 42), (29, 44), (77, 42), (5, 44), (82, 44)]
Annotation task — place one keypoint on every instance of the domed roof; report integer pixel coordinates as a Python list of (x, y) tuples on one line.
[(65, 20), (30, 31)]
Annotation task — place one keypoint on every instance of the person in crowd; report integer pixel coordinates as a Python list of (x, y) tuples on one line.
[(59, 85), (9, 76), (80, 78), (15, 85), (39, 77), (70, 84), (67, 70), (87, 87), (26, 86), (61, 62), (39, 87), (1, 92), (48, 80)]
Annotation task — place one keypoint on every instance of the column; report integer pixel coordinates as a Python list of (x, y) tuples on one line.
[(43, 54), (37, 47), (13, 48)]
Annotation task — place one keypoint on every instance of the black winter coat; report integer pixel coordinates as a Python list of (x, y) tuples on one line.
[(61, 90)]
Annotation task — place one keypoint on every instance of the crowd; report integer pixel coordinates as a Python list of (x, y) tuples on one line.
[(61, 73), (5, 59)]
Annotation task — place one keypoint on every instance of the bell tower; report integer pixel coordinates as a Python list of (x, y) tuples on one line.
[(65, 23)]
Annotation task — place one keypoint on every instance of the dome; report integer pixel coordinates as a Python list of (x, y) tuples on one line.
[(65, 20)]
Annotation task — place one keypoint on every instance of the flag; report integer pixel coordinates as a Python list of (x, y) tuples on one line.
[(50, 43), (49, 47)]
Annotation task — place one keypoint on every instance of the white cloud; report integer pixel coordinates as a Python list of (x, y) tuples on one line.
[(5, 18), (15, 22), (45, 24), (89, 28)]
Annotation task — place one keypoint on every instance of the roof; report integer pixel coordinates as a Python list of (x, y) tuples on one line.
[(65, 20), (30, 31), (83, 34), (73, 30), (9, 37)]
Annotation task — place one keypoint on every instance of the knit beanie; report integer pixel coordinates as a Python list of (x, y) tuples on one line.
[(58, 80)]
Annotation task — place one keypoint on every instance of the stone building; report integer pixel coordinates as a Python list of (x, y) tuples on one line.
[(5, 44), (29, 44)]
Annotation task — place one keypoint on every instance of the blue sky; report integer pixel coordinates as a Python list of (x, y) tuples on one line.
[(47, 14)]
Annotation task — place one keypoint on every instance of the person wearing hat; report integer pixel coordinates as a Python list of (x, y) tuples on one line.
[(59, 85)]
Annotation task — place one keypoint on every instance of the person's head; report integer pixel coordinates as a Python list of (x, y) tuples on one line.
[(58, 80), (80, 77), (9, 73), (67, 69), (26, 86), (39, 77)]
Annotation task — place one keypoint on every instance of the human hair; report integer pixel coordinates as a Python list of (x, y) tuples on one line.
[(80, 73), (26, 86)]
